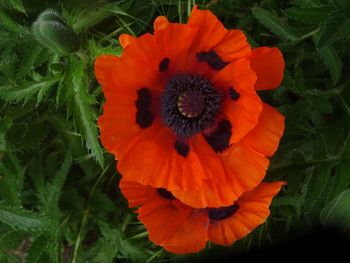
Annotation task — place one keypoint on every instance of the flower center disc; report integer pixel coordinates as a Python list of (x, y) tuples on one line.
[(189, 104)]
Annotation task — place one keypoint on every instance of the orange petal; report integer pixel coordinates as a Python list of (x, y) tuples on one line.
[(117, 75), (214, 189), (160, 23), (162, 219), (210, 30), (114, 135), (233, 46), (252, 212), (211, 194), (105, 68), (174, 40), (268, 64), (265, 137), (246, 167), (189, 237), (170, 224), (244, 112), (125, 40), (118, 127), (122, 111), (138, 194), (163, 167), (144, 55)]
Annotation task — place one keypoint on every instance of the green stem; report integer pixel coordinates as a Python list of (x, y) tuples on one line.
[(86, 214), (84, 58), (343, 103), (80, 233), (296, 41), (189, 8)]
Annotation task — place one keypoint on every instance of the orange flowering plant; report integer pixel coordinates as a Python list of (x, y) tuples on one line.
[(178, 139), (183, 118), (181, 137)]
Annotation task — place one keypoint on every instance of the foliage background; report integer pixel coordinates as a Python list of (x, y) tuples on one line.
[(59, 189)]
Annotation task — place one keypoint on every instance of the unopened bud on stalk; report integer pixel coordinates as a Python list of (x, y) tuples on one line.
[(53, 32)]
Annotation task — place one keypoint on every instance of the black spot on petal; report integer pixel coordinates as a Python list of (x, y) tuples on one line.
[(144, 119), (182, 148), (144, 116), (144, 99), (234, 95), (222, 212), (165, 194), (212, 59), (219, 139), (163, 65)]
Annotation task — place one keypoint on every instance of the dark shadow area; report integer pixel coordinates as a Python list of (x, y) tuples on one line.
[(318, 243)]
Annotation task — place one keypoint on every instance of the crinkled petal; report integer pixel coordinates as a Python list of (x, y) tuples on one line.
[(233, 46), (211, 194), (154, 161), (266, 135), (246, 168), (243, 113), (174, 226), (174, 40), (138, 194), (191, 236), (252, 212), (210, 30)]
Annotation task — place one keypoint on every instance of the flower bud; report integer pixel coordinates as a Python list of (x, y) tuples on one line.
[(53, 32)]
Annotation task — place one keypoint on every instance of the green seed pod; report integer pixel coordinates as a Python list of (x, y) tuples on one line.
[(53, 32)]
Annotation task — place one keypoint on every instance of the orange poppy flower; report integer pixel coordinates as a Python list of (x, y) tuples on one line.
[(182, 112), (181, 229)]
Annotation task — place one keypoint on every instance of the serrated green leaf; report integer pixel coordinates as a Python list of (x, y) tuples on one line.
[(337, 212), (37, 249), (305, 3), (100, 202), (316, 187), (321, 104), (312, 15), (332, 62), (336, 27), (320, 148), (83, 111), (23, 220), (5, 124), (54, 189), (28, 60), (328, 94), (342, 4), (335, 139), (8, 187), (16, 94), (340, 180), (346, 148), (11, 179), (15, 4), (271, 22), (9, 24)]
